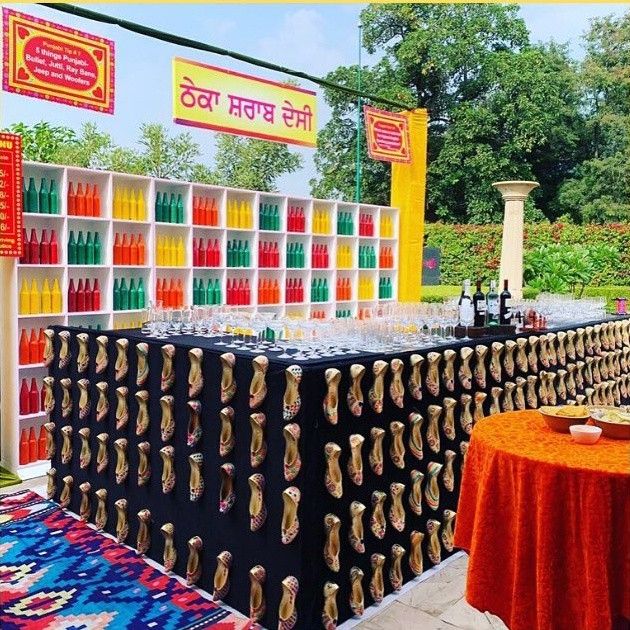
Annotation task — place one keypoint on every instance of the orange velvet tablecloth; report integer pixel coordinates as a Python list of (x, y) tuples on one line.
[(546, 522)]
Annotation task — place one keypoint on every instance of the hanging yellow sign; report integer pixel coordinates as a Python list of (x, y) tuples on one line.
[(236, 103)]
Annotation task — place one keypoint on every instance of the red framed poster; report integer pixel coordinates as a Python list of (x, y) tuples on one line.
[(387, 135), (11, 242), (56, 63)]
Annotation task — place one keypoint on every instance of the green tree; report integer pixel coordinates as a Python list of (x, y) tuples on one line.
[(91, 149), (42, 141), (498, 107), (600, 187), (250, 163)]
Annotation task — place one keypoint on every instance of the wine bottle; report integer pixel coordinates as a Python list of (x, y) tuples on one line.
[(466, 309), (505, 310), (492, 301), (479, 303)]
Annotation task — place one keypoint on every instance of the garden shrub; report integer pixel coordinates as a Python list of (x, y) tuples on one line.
[(471, 251)]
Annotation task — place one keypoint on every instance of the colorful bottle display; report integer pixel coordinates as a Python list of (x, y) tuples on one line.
[(238, 292), (129, 294), (34, 300), (296, 219), (385, 289), (344, 289), (84, 296), (84, 251), (366, 288), (43, 201), (239, 215), (295, 256), (318, 314), (345, 224), (294, 291), (269, 218), (169, 208), (342, 314), (386, 258), (208, 294), (319, 290), (169, 251), (169, 292), (83, 200), (366, 225), (319, 256), (206, 255), (268, 291), (387, 226), (344, 257), (129, 204), (268, 254), (205, 211), (30, 398), (321, 222), (238, 253), (40, 251), (129, 249), (31, 346), (32, 448), (367, 257)]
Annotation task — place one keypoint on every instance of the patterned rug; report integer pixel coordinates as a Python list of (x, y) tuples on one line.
[(58, 573)]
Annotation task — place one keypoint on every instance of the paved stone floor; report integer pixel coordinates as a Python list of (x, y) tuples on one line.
[(436, 603)]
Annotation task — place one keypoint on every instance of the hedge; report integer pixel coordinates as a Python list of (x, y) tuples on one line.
[(471, 251)]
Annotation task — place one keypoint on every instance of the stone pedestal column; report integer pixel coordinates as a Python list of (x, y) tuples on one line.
[(514, 195)]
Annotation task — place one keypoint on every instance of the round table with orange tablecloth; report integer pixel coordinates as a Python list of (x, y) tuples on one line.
[(546, 522)]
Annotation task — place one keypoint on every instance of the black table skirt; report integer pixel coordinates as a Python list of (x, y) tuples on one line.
[(302, 558)]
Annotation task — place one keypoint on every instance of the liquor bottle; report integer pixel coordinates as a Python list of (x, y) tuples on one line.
[(181, 253), (124, 295), (80, 249), (141, 207), (53, 198), (24, 454), (89, 296), (44, 249), (97, 249), (80, 200), (32, 196), (505, 310), (44, 200), (466, 309), (117, 297), (124, 250), (38, 355), (35, 298), (33, 397), (32, 446), (180, 209), (33, 246), (46, 297), (158, 207), (56, 297), (41, 443), (492, 301), (89, 201), (142, 296), (172, 210), (80, 296), (24, 347), (25, 401), (479, 303), (133, 206), (141, 250), (133, 295), (89, 249)]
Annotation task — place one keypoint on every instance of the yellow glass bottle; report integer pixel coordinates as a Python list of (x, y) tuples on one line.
[(141, 207), (35, 298), (124, 205), (55, 297), (116, 204), (133, 206), (46, 297), (159, 251), (25, 298), (180, 252), (173, 252)]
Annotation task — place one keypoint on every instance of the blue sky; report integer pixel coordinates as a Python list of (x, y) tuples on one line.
[(314, 38)]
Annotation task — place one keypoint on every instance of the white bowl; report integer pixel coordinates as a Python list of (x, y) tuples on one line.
[(585, 433)]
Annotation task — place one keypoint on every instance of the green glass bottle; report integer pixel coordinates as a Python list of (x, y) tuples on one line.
[(325, 290), (276, 218), (172, 212), (142, 295), (133, 295), (72, 249), (262, 214), (97, 249), (180, 209), (116, 295), (44, 205), (24, 196), (246, 258), (53, 197), (196, 291), (124, 295), (31, 196), (80, 249), (289, 255), (158, 207), (89, 250)]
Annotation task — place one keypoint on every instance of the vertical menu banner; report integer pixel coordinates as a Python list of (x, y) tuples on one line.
[(11, 241), (56, 63), (387, 135)]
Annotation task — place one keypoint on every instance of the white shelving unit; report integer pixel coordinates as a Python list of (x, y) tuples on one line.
[(12, 272)]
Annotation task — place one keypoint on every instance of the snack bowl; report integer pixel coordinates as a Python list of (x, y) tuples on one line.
[(585, 433), (561, 423), (603, 417)]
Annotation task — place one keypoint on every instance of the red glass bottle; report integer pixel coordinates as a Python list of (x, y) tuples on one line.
[(96, 295), (25, 401), (32, 446), (24, 348), (80, 297), (41, 443), (72, 297), (89, 202), (72, 200), (53, 248), (89, 296), (33, 247), (33, 347), (24, 454)]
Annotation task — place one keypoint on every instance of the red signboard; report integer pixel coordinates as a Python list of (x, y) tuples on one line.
[(387, 135), (11, 243), (56, 63)]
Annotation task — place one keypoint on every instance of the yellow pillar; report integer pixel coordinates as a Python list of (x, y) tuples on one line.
[(408, 188)]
